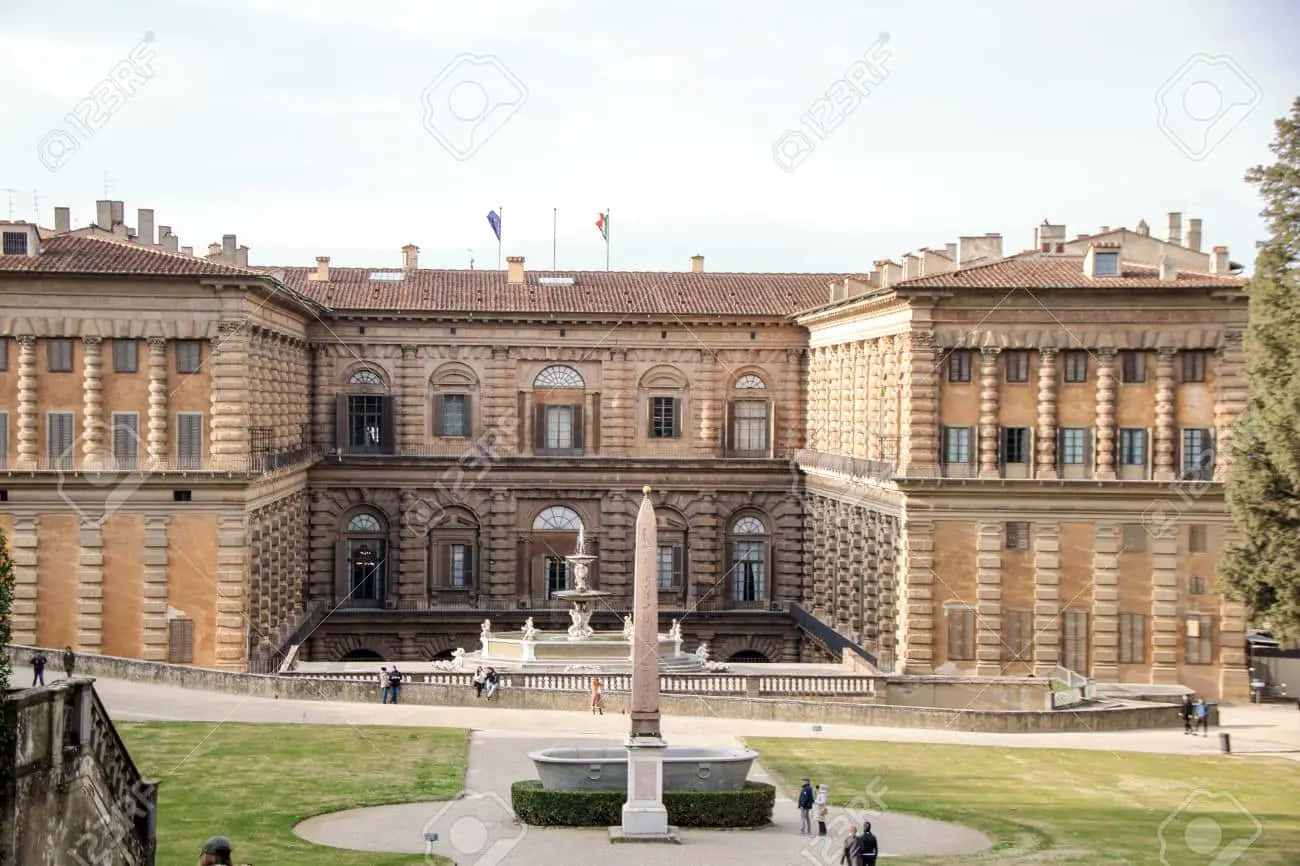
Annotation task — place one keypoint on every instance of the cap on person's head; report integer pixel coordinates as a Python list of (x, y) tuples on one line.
[(217, 845)]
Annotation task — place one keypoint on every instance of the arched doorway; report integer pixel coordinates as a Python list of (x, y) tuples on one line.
[(554, 535), (748, 561), (365, 560), (747, 657)]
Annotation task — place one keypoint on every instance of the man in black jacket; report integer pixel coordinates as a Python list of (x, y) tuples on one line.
[(805, 808), (867, 848)]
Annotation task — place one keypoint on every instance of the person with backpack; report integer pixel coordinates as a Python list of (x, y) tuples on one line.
[(868, 849), (394, 682), (805, 808), (38, 669)]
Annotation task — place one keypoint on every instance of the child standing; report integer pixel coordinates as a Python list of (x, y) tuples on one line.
[(821, 820)]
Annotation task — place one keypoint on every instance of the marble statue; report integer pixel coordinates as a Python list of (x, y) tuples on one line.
[(702, 651), (675, 630), (530, 630), (485, 632), (628, 627), (458, 658)]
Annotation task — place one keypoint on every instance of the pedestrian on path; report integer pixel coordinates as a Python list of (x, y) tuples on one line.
[(394, 682), (868, 849), (480, 680), (69, 661), (597, 700), (850, 856), (805, 808), (383, 684), (821, 820), (1187, 714), (38, 669), (1203, 716), (215, 852)]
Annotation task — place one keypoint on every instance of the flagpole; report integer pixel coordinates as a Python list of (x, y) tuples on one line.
[(501, 220), (554, 216), (607, 234)]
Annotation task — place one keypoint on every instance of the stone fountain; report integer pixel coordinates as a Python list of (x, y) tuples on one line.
[(581, 596)]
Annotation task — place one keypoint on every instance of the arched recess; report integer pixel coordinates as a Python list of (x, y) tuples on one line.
[(361, 655), (455, 553), (749, 426), (559, 399), (672, 559), (749, 558), (748, 657), (363, 414), (453, 400), (663, 392), (552, 535), (364, 558)]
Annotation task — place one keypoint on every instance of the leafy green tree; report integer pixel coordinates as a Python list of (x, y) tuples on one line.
[(1263, 490), (6, 602)]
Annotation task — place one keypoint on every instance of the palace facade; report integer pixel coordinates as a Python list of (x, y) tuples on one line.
[(962, 461)]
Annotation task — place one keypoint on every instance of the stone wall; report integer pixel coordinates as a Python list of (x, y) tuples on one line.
[(277, 566)]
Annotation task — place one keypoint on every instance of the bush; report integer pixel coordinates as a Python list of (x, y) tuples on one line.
[(749, 807)]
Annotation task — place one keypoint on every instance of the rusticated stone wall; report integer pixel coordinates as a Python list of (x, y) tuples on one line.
[(277, 568)]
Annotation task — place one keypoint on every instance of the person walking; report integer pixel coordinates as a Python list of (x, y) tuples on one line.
[(1202, 716), (805, 808), (850, 855), (383, 684), (394, 682), (215, 852), (597, 700), (1187, 712), (38, 669), (69, 661), (480, 680), (868, 849)]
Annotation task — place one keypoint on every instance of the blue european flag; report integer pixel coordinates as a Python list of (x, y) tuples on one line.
[(494, 220)]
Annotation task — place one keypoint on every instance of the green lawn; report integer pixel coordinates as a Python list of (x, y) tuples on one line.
[(1065, 805), (253, 783)]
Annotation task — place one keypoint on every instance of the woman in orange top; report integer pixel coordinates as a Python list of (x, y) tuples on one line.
[(597, 702)]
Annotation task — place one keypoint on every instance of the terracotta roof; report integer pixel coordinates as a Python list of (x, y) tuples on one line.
[(1034, 270), (611, 292), (83, 254)]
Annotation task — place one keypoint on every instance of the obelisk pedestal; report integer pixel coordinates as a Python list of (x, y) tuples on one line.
[(644, 817)]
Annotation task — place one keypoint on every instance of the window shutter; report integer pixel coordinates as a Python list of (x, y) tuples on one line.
[(973, 447), (595, 423), (469, 565), (1002, 447), (677, 565), (677, 417), (180, 634), (439, 414), (4, 439), (388, 435), (650, 417), (469, 414), (444, 561), (1060, 450), (1029, 451), (539, 428), (189, 447), (341, 422), (1089, 448), (125, 436), (730, 433), (769, 426), (577, 426)]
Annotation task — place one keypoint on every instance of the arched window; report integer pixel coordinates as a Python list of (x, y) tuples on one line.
[(559, 376), (749, 418), (749, 549), (365, 377), (365, 559), (557, 518), (453, 387), (749, 381), (662, 390), (364, 415)]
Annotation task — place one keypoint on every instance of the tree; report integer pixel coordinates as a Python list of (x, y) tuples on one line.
[(6, 602), (1262, 568)]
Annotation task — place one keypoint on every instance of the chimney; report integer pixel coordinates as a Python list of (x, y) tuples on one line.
[(241, 256), (322, 272), (228, 248), (173, 243), (890, 272), (835, 293), (934, 262), (118, 213), (62, 220), (214, 251), (697, 264), (1048, 236), (853, 286), (410, 257), (1194, 234), (187, 251), (873, 279), (1219, 263), (951, 251), (514, 270), (911, 266), (166, 239), (104, 214), (1175, 227), (973, 248), (144, 226), (1168, 273), (1143, 229), (1103, 230)]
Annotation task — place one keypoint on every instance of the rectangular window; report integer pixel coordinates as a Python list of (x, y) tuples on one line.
[(670, 566), (15, 243), (4, 440), (1017, 533), (961, 633), (1076, 366), (1132, 638), (189, 440), (1135, 538), (1198, 454), (1073, 445), (189, 356), (557, 574), (1133, 366), (60, 355), (1015, 444), (366, 419), (4, 353), (126, 438), (59, 441), (956, 445), (750, 430), (461, 566), (664, 423), (1105, 264), (959, 365), (180, 641), (125, 356), (1017, 366), (559, 427), (1193, 366), (1074, 640), (1018, 626), (455, 415), (748, 571), (1200, 644), (1132, 446), (1196, 538), (1196, 585)]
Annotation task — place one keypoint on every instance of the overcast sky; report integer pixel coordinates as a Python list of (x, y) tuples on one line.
[(305, 127)]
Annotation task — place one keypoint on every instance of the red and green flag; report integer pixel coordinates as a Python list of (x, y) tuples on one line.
[(602, 223)]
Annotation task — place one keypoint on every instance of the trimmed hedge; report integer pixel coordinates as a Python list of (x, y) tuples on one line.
[(749, 807)]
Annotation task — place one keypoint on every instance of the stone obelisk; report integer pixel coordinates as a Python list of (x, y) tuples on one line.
[(644, 815)]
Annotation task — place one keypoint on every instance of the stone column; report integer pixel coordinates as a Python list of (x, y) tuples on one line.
[(411, 408), (860, 400), (322, 376), (229, 439), (94, 454), (989, 411), (1234, 677), (1047, 598), (22, 547), (1105, 601), (916, 598), (154, 592), (1105, 423), (873, 422), (27, 425), (919, 431), (835, 404), (988, 605), (90, 586), (1046, 432), (1164, 444), (1165, 634), (644, 706), (1230, 399), (232, 577), (412, 549), (157, 402)]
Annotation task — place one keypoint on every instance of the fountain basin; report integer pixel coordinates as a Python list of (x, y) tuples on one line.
[(599, 649), (686, 768)]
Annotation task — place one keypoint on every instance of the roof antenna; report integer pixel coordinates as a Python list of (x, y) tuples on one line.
[(471, 257), (36, 206), (108, 184), (11, 192)]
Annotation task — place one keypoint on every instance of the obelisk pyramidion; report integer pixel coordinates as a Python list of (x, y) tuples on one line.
[(644, 815)]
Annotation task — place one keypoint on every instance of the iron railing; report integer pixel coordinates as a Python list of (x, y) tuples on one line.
[(824, 634)]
